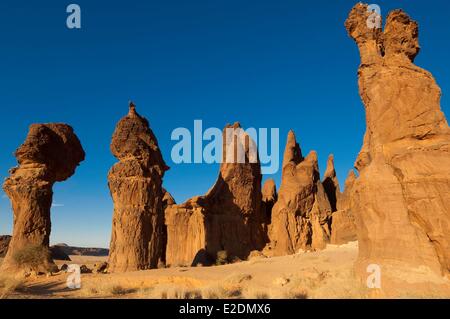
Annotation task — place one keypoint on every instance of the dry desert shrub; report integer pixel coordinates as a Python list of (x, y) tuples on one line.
[(296, 293), (33, 257), (105, 290)]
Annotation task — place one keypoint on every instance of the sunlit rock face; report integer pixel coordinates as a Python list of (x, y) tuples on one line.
[(50, 153), (138, 234), (301, 216), (228, 218), (401, 199)]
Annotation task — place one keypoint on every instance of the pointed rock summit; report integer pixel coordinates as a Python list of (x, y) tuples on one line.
[(50, 153), (302, 214), (401, 198), (229, 217), (331, 184), (135, 182)]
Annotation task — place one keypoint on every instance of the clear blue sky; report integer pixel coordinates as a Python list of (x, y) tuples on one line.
[(286, 64)]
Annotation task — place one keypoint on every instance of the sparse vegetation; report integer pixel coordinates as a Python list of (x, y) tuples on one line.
[(34, 257)]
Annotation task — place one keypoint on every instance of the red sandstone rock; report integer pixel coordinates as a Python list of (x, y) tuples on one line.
[(401, 198), (228, 218), (50, 153), (302, 214), (135, 182)]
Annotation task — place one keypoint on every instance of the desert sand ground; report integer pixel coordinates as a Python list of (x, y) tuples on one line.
[(325, 274)]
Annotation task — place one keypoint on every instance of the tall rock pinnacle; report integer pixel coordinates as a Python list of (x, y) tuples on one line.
[(229, 217), (135, 182), (302, 214), (401, 198), (50, 153)]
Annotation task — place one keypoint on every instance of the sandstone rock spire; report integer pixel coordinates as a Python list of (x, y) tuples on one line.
[(50, 153), (401, 198), (135, 182), (301, 216), (331, 183), (343, 228), (228, 217)]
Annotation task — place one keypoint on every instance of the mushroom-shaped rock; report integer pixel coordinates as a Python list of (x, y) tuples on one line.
[(50, 153)]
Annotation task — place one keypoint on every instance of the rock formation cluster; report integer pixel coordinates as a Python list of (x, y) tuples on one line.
[(401, 199), (301, 217), (135, 182), (396, 203), (50, 153)]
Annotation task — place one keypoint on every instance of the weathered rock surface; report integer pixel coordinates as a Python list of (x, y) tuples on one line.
[(135, 183), (269, 198), (50, 153), (4, 243), (343, 227), (302, 215), (228, 218), (331, 184), (401, 198)]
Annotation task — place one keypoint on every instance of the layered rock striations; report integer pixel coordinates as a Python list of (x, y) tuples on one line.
[(50, 153), (229, 217), (301, 217), (135, 183), (401, 198)]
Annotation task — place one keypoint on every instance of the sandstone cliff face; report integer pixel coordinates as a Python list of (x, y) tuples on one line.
[(50, 153), (302, 214), (269, 198), (135, 183), (343, 227), (401, 198), (228, 217)]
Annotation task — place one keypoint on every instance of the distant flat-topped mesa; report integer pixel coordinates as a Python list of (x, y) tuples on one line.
[(135, 182), (401, 199), (228, 218), (301, 216), (50, 153)]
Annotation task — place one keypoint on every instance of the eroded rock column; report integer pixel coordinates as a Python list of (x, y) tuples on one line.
[(302, 214), (50, 153), (135, 182), (401, 198)]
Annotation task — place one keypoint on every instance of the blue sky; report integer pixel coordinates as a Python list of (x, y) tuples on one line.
[(282, 64)]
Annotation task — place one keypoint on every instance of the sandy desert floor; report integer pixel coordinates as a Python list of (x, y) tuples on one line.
[(324, 274)]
